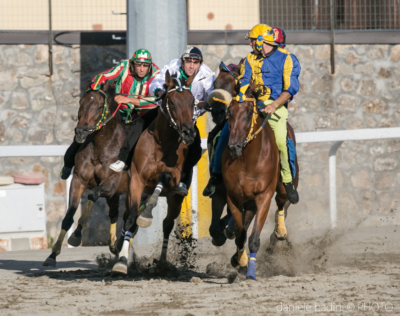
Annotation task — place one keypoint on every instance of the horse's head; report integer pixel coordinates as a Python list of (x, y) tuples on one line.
[(224, 86), (91, 108), (240, 116), (178, 107)]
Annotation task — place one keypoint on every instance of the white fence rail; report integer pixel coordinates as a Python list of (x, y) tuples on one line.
[(338, 137)]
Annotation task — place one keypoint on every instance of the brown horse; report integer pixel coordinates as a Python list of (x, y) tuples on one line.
[(157, 164), (251, 172), (101, 137)]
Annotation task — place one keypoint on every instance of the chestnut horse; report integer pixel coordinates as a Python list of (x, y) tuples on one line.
[(251, 173), (101, 137), (157, 164)]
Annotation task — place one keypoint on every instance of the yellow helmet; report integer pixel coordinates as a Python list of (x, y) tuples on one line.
[(262, 33)]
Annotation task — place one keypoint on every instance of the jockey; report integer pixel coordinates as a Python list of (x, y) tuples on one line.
[(276, 84), (190, 63), (131, 77)]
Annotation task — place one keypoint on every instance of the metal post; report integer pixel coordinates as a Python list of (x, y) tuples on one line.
[(50, 42), (158, 26), (332, 183), (332, 37)]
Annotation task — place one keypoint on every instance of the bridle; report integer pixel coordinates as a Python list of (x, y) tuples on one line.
[(103, 119), (254, 117), (167, 113)]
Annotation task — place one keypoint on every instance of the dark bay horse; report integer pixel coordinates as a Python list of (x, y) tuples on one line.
[(101, 137), (251, 172), (157, 164)]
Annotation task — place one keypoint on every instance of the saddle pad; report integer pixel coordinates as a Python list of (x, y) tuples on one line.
[(29, 178), (4, 180)]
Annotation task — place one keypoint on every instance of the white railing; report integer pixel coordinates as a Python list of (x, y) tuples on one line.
[(310, 137)]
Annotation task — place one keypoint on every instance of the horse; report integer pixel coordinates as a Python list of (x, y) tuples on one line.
[(157, 163), (251, 173), (101, 137)]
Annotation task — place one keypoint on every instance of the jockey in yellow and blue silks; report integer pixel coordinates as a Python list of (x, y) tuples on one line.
[(275, 72)]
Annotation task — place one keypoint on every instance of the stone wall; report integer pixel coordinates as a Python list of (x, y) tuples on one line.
[(364, 93)]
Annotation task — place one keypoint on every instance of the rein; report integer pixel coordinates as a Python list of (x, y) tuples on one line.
[(255, 115)]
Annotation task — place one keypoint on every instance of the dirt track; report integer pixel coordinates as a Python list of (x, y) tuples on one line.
[(355, 273)]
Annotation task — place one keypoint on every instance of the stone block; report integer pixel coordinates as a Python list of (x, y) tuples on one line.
[(384, 181), (323, 52), (8, 80), (305, 54), (351, 59), (348, 84), (387, 122), (42, 54), (16, 135), (353, 124), (384, 164), (394, 85), (377, 51), (377, 150), (311, 104), (38, 136), (3, 133), (322, 84), (218, 50), (384, 73), (340, 50), (55, 210), (27, 82), (60, 188), (367, 87), (4, 97), (19, 101), (344, 69), (20, 122), (365, 69), (395, 53), (348, 102), (326, 120), (361, 180), (376, 106), (393, 146)]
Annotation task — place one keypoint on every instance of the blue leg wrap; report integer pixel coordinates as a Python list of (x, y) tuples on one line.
[(251, 271), (231, 225)]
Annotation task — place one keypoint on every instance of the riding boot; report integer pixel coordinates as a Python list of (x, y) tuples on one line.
[(213, 183), (69, 160), (291, 193)]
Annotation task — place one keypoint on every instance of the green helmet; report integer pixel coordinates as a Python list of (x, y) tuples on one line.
[(142, 56)]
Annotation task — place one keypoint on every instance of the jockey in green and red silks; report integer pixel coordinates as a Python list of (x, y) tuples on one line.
[(127, 81), (132, 78)]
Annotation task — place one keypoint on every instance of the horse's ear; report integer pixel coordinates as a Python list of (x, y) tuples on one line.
[(104, 86), (168, 79), (88, 84), (189, 80)]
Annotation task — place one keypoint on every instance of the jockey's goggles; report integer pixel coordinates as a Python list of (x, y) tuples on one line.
[(191, 57), (145, 65)]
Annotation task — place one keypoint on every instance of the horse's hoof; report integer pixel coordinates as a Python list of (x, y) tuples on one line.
[(49, 262), (242, 270), (74, 240), (121, 266), (234, 261), (144, 222), (218, 242), (281, 237), (228, 234)]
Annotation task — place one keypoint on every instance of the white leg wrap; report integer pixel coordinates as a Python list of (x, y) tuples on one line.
[(125, 247), (159, 187)]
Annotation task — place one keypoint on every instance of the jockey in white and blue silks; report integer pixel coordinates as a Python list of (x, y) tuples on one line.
[(190, 63)]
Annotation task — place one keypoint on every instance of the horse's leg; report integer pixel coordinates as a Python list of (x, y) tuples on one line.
[(113, 204), (76, 191), (174, 209), (283, 204), (218, 202), (130, 227), (239, 259), (263, 202), (146, 217)]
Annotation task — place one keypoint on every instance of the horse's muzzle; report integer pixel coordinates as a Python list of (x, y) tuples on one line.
[(188, 135), (81, 134), (235, 150)]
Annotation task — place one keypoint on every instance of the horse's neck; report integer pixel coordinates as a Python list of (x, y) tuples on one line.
[(256, 146), (103, 134), (163, 131)]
